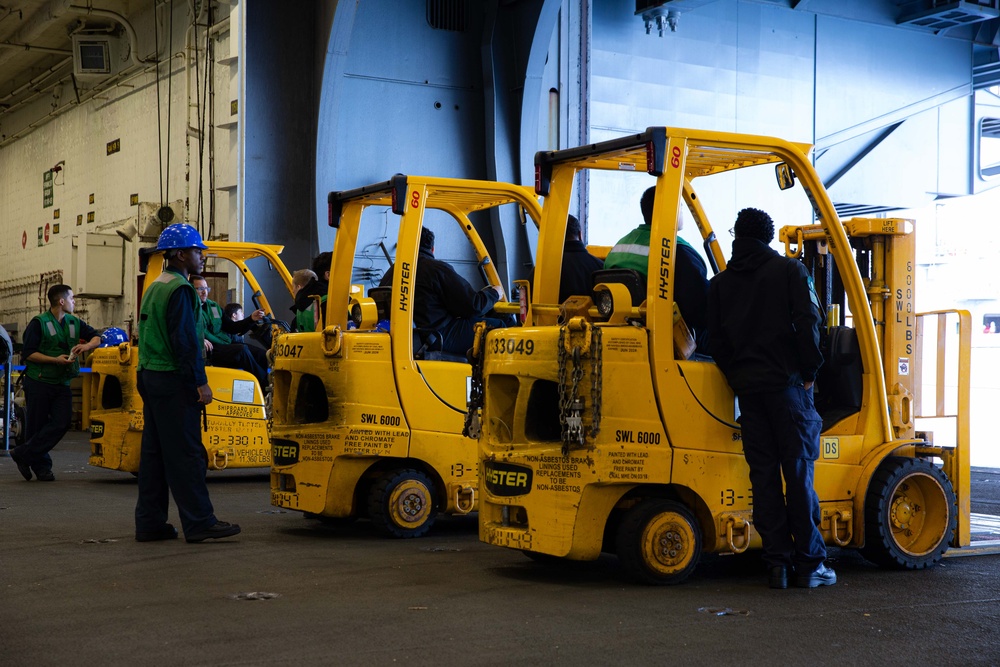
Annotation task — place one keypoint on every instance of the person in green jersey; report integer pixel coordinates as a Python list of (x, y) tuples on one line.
[(691, 273)]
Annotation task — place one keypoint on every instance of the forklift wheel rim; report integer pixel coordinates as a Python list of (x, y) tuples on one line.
[(668, 543), (918, 513), (410, 504)]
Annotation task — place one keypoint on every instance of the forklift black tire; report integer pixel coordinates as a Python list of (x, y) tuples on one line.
[(401, 503), (659, 542), (910, 514)]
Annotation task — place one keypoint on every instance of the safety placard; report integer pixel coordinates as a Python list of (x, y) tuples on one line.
[(904, 365), (47, 195)]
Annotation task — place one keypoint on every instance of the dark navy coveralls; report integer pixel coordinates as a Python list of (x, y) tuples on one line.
[(173, 457), (763, 321)]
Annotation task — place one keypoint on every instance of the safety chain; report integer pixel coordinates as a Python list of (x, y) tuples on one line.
[(570, 404), (269, 402), (564, 400), (473, 425), (596, 381)]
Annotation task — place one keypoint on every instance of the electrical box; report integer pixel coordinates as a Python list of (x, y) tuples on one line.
[(98, 261)]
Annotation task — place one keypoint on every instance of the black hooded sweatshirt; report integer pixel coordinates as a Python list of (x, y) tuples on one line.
[(763, 320), (440, 295)]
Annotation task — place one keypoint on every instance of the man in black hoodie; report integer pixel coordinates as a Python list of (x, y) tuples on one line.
[(578, 264), (444, 302), (763, 324)]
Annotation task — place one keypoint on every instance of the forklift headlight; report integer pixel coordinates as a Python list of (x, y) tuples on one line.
[(604, 302)]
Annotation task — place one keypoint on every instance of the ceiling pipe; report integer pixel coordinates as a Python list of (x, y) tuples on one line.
[(85, 96), (40, 49), (38, 92), (35, 81), (36, 24)]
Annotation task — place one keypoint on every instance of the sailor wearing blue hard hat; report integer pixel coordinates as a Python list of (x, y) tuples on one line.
[(174, 387)]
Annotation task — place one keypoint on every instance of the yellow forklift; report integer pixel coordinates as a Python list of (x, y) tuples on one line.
[(367, 416), (612, 437), (235, 434)]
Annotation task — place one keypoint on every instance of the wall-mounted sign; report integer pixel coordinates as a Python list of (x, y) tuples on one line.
[(91, 197), (79, 220), (114, 147), (24, 239), (55, 214), (133, 199), (90, 215), (46, 232), (47, 197)]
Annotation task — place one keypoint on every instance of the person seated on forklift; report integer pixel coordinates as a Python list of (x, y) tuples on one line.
[(691, 283), (220, 350), (578, 265), (237, 326), (306, 315), (444, 303)]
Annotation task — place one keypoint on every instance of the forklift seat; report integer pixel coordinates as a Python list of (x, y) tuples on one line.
[(630, 278)]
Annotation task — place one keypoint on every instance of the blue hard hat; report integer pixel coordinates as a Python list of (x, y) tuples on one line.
[(113, 336), (179, 237)]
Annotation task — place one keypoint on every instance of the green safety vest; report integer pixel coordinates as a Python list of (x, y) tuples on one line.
[(155, 353), (57, 339), (210, 320), (632, 251), (305, 320)]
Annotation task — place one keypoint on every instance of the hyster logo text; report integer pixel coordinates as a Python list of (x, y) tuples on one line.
[(404, 287), (505, 479), (664, 267), (284, 452)]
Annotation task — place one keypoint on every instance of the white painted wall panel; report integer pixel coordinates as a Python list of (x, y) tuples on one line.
[(79, 138)]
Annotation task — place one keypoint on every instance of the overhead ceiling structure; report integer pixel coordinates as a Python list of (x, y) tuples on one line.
[(63, 49), (977, 21)]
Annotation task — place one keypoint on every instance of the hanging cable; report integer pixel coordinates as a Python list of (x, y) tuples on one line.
[(170, 86), (210, 92), (202, 95), (199, 119), (159, 130)]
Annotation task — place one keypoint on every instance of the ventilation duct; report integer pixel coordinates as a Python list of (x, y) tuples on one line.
[(938, 15)]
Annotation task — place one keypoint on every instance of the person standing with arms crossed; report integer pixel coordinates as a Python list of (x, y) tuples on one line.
[(51, 347), (763, 327), (174, 388)]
